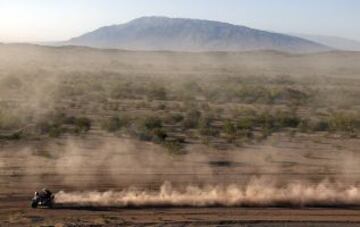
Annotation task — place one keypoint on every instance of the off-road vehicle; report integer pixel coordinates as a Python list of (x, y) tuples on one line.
[(43, 199)]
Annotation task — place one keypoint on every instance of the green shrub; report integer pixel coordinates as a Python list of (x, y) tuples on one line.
[(9, 121), (230, 128), (83, 124), (159, 135), (176, 118), (174, 147), (55, 125), (162, 106), (158, 93), (143, 135), (286, 120), (277, 121), (192, 119), (344, 122), (55, 131), (245, 123), (12, 136), (265, 120), (205, 128), (122, 91), (149, 129), (116, 123), (320, 125), (192, 87), (304, 126), (151, 122)]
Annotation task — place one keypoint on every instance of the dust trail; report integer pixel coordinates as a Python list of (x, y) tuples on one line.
[(254, 194)]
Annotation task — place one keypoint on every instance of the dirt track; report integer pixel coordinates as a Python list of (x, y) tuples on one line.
[(17, 212)]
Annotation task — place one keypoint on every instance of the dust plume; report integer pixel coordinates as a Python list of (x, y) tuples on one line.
[(257, 193)]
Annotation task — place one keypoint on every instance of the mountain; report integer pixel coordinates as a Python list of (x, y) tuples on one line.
[(177, 34), (333, 41)]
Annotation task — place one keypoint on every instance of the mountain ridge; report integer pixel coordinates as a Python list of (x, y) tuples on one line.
[(194, 35)]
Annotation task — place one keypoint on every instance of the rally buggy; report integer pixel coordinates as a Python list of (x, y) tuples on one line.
[(43, 199)]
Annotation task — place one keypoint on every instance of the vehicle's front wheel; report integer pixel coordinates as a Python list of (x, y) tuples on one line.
[(34, 204)]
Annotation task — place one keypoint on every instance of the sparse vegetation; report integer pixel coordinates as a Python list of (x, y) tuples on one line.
[(116, 123), (202, 103), (58, 124)]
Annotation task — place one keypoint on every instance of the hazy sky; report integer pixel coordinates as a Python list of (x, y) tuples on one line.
[(53, 20)]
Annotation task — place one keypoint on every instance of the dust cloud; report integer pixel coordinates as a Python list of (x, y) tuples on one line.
[(257, 193), (80, 82)]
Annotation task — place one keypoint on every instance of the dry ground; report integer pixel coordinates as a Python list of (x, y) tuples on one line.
[(37, 151), (279, 158)]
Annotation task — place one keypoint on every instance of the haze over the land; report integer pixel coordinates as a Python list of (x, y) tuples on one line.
[(339, 43)]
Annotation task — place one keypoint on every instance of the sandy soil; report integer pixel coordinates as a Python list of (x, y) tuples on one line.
[(19, 214)]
